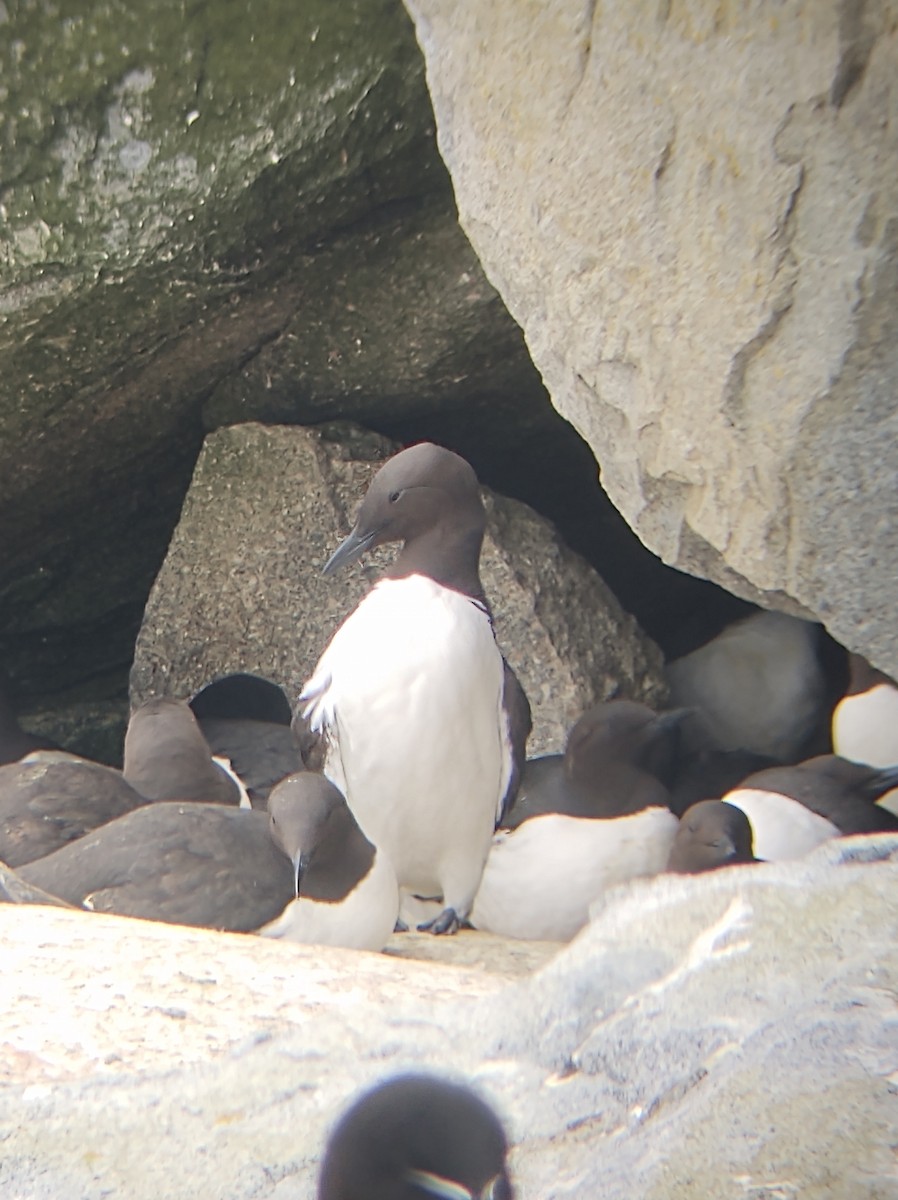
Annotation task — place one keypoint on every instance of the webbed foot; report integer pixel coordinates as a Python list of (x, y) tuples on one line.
[(447, 922)]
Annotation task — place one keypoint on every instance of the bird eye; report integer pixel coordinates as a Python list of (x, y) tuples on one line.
[(394, 496)]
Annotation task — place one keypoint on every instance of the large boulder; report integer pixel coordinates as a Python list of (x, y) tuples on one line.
[(690, 211), (241, 587), (188, 196), (728, 1035)]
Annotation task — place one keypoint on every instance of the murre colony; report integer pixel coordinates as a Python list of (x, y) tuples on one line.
[(425, 808), (427, 811)]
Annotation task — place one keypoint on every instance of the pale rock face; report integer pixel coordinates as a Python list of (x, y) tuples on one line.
[(685, 208), (711, 1035)]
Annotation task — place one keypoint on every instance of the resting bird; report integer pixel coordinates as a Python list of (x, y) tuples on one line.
[(346, 891), (167, 757), (184, 863), (410, 692), (712, 834), (865, 721), (416, 1136), (582, 823), (51, 798), (247, 719), (794, 809)]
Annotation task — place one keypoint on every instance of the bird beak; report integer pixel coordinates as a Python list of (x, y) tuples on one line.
[(300, 863), (349, 550), (438, 1185)]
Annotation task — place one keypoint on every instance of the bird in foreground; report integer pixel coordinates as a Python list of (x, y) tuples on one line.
[(794, 809), (345, 889), (50, 798), (711, 834), (410, 692), (413, 1137), (188, 863), (167, 757)]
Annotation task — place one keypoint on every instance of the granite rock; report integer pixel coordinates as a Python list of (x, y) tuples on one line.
[(730, 1035), (692, 217)]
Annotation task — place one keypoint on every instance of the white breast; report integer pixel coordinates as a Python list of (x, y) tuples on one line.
[(364, 920), (865, 729), (782, 827), (541, 878), (865, 726), (410, 691)]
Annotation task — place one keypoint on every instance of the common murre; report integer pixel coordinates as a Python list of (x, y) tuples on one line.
[(409, 693)]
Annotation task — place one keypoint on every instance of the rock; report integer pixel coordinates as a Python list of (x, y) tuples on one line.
[(719, 1035), (690, 217), (203, 213), (241, 588)]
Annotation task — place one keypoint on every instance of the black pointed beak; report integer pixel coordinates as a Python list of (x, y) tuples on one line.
[(300, 864), (349, 550)]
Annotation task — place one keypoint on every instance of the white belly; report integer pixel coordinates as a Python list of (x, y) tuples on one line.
[(865, 726), (410, 689), (782, 828), (364, 920), (540, 879), (865, 729)]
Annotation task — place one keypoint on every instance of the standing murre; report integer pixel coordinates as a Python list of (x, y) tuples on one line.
[(410, 691), (416, 1136), (711, 834), (793, 809), (346, 891)]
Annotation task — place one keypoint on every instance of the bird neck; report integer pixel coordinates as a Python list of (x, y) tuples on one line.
[(450, 557)]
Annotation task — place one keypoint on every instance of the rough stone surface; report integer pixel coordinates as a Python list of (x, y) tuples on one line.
[(242, 590), (187, 195), (728, 1035), (693, 218)]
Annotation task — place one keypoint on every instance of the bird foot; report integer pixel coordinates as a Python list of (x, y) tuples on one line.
[(400, 926), (447, 922)]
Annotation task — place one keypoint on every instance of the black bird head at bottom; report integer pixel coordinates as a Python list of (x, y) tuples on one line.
[(413, 1137)]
